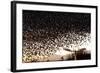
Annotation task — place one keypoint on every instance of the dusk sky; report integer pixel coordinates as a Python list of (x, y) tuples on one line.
[(47, 33)]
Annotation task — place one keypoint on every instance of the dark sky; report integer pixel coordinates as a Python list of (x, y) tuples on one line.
[(56, 21)]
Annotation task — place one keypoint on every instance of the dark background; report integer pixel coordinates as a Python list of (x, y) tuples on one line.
[(58, 21), (40, 25)]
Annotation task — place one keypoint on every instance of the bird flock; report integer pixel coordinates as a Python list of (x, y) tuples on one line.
[(55, 49)]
